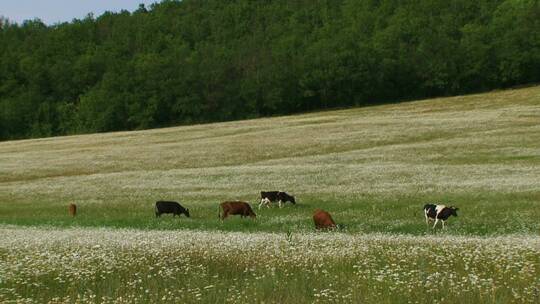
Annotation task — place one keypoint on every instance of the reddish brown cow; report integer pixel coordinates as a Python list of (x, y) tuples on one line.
[(72, 209), (236, 207), (323, 220)]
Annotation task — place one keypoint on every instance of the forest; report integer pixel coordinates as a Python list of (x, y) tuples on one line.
[(194, 61)]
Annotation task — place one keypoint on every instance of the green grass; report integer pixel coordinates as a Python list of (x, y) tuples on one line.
[(489, 214), (372, 168)]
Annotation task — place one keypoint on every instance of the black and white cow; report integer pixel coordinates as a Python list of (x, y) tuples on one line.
[(268, 197), (438, 212), (170, 207)]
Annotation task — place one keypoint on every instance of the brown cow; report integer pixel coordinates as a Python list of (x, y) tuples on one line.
[(72, 209), (323, 220), (235, 207)]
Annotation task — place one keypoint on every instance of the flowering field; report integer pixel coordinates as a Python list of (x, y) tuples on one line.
[(133, 266), (372, 168)]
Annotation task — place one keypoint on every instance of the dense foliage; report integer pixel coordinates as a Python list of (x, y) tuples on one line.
[(199, 61)]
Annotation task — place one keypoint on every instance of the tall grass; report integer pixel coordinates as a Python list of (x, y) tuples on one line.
[(126, 266)]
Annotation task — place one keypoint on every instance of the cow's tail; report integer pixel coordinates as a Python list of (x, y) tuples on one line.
[(219, 212)]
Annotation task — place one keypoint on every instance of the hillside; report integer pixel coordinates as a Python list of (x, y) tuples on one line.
[(183, 62), (373, 167)]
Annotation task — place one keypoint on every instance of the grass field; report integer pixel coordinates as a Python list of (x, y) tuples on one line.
[(372, 168), (128, 266)]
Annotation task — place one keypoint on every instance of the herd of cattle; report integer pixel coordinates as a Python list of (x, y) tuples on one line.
[(321, 218)]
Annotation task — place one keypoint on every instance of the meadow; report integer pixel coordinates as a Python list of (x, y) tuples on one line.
[(136, 266), (372, 168)]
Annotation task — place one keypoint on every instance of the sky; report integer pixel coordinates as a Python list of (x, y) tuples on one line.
[(54, 11)]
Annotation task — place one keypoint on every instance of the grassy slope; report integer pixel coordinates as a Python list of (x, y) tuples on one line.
[(373, 168)]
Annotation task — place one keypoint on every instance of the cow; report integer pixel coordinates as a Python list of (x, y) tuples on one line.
[(268, 197), (323, 220), (235, 208), (72, 209), (170, 207), (438, 212)]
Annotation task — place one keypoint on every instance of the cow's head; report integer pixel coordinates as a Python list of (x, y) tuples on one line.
[(454, 210), (292, 199), (251, 213), (187, 212)]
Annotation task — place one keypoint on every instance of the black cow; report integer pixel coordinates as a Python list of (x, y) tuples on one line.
[(275, 196), (170, 207), (438, 212)]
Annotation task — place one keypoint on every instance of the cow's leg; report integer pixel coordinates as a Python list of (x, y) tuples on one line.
[(265, 201), (436, 221), (279, 202), (442, 224)]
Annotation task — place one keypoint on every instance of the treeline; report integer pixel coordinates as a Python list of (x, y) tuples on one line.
[(200, 61)]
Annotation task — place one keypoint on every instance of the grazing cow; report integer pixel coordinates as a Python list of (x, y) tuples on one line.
[(170, 207), (268, 197), (234, 208), (438, 212), (323, 220), (72, 209)]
